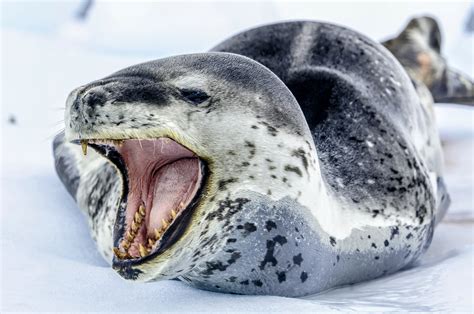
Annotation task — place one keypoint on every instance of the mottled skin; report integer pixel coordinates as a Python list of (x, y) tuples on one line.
[(326, 167)]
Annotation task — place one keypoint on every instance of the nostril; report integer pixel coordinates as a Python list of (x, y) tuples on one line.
[(93, 99)]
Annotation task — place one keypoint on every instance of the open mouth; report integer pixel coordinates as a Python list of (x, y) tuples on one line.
[(162, 184)]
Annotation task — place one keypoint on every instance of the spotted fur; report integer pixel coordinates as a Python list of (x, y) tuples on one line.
[(325, 164)]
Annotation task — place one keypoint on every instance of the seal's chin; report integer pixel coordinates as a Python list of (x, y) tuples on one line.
[(162, 184)]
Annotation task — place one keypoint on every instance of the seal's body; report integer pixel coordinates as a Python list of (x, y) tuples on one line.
[(316, 166)]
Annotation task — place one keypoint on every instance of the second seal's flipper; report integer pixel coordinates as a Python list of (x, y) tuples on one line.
[(418, 49)]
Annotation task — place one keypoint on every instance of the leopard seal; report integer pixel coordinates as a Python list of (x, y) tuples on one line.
[(293, 158)]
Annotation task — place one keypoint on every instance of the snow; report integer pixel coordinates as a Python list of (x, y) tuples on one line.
[(48, 260)]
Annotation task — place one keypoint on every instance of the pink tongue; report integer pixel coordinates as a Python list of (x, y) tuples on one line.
[(174, 187)]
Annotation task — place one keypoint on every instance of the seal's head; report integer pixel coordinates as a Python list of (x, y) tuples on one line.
[(188, 134)]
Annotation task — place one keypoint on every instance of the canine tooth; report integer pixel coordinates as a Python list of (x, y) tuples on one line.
[(84, 146), (142, 210), (143, 251), (164, 223), (157, 233)]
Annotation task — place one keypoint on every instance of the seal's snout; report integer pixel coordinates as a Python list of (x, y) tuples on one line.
[(85, 108)]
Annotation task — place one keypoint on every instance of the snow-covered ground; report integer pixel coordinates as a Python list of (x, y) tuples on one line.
[(49, 262)]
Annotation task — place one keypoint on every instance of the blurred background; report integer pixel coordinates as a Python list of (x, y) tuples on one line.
[(48, 261)]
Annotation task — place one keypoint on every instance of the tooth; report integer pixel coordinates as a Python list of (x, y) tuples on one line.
[(125, 244), (129, 236), (142, 210), (119, 253), (118, 143), (135, 227), (143, 251), (157, 233), (84, 146), (138, 218), (151, 242), (173, 214), (164, 223)]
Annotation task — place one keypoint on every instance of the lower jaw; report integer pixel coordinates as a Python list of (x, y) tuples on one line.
[(171, 233), (136, 218)]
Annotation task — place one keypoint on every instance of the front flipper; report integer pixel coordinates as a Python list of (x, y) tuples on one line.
[(418, 49), (95, 186)]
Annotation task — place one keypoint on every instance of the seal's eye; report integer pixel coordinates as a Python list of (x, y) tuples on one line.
[(194, 95)]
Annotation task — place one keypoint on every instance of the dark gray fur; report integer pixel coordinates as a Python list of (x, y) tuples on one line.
[(339, 88)]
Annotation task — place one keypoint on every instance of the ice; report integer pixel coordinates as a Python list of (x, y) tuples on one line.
[(48, 260)]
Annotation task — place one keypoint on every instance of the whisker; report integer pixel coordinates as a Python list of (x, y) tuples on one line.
[(57, 123), (139, 141), (50, 137)]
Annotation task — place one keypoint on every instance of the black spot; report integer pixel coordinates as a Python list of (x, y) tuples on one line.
[(386, 243), (373, 245), (281, 276), (234, 257), (269, 257), (377, 257), (303, 276), (231, 240), (294, 169), (280, 239), (245, 282), (257, 283), (227, 209), (222, 183), (297, 259), (301, 154), (269, 225), (332, 240), (394, 231), (251, 147), (212, 266), (250, 227)]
